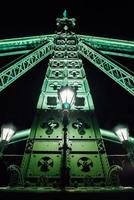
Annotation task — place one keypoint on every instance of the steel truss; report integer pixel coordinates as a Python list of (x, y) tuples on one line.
[(61, 152), (10, 74), (113, 70)]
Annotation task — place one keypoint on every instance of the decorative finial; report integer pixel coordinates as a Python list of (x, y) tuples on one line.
[(65, 13)]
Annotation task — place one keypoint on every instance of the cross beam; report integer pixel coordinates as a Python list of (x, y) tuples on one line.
[(24, 51), (14, 46), (24, 42)]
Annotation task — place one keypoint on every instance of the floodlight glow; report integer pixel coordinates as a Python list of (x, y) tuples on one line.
[(67, 96), (7, 133), (122, 133)]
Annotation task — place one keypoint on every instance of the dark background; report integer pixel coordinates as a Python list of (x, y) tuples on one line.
[(113, 104)]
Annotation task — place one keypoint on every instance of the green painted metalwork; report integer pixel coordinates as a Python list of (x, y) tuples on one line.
[(69, 192), (107, 135), (112, 69), (71, 153), (108, 46), (22, 45), (12, 53), (125, 55), (17, 52), (24, 42), (13, 72), (65, 13), (66, 148)]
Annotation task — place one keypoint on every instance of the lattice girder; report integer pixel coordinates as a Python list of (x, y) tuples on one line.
[(10, 74), (113, 70)]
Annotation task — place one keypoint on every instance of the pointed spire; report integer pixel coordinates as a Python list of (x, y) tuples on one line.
[(65, 13)]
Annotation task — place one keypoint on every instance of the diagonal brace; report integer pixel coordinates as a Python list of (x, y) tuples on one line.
[(12, 73), (113, 70)]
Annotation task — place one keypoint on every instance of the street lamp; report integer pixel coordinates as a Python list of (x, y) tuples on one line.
[(123, 134), (6, 134), (67, 98)]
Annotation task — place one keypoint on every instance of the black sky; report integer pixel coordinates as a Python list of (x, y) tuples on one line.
[(113, 104)]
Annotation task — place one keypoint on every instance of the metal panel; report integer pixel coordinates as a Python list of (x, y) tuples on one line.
[(85, 165), (46, 145), (84, 146), (44, 165), (44, 125)]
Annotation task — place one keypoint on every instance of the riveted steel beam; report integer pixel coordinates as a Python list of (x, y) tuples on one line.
[(108, 44), (113, 53), (15, 46), (12, 53)]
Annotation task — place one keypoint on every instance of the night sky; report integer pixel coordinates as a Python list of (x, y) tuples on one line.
[(113, 104)]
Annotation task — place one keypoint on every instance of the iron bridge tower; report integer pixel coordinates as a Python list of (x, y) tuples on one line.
[(86, 159), (74, 154)]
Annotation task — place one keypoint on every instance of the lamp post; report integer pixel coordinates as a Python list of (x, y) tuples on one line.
[(123, 134), (6, 135), (67, 98)]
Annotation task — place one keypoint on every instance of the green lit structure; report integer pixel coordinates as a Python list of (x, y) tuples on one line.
[(73, 155)]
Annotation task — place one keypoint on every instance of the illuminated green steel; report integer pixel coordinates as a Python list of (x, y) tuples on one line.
[(108, 44), (50, 151), (19, 68), (97, 42), (14, 46), (113, 70), (62, 148), (125, 55), (17, 52), (12, 53), (107, 135), (19, 43), (65, 13)]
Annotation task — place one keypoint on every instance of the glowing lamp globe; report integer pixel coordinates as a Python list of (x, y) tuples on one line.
[(122, 133), (6, 133), (67, 97)]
